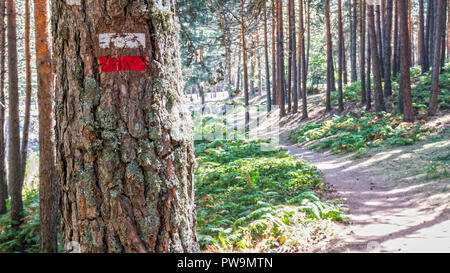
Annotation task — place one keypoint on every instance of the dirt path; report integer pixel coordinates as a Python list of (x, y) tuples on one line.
[(383, 216)]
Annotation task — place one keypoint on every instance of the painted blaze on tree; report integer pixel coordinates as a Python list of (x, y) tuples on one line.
[(124, 140)]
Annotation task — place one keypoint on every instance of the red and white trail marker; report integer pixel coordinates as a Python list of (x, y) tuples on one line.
[(122, 41)]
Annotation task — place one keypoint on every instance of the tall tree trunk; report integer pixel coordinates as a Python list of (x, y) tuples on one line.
[(423, 52), (396, 58), (281, 82), (124, 139), (275, 97), (341, 56), (14, 131), (369, 69), (430, 32), (293, 55), (387, 50), (405, 58), (47, 162), (378, 91), (379, 36), (266, 59), (302, 66), (439, 28), (362, 55), (244, 58), (3, 184), (353, 28), (411, 33), (238, 72), (26, 121), (329, 56)]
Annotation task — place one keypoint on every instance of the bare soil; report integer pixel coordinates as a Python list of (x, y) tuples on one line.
[(393, 204)]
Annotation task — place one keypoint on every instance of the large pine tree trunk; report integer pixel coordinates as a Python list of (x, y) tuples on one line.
[(124, 140)]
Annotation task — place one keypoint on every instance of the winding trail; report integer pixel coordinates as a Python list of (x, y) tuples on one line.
[(383, 218)]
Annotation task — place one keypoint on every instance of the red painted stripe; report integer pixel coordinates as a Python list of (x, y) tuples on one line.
[(125, 63)]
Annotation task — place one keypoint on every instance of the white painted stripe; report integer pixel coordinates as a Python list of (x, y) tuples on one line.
[(122, 40), (73, 2)]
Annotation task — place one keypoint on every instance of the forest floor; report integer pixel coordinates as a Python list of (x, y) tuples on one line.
[(393, 204)]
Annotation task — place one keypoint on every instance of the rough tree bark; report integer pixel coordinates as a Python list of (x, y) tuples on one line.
[(405, 58), (124, 139), (14, 131)]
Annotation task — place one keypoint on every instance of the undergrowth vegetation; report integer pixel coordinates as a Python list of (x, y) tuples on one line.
[(254, 199)]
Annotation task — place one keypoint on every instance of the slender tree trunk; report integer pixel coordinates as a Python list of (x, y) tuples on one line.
[(396, 58), (3, 184), (387, 50), (26, 122), (405, 58), (369, 69), (362, 55), (275, 97), (341, 56), (329, 56), (430, 32), (281, 82), (378, 91), (423, 53), (439, 28), (266, 59), (354, 75), (47, 161), (124, 138), (244, 58), (303, 70), (238, 72), (293, 54), (14, 131), (379, 36)]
